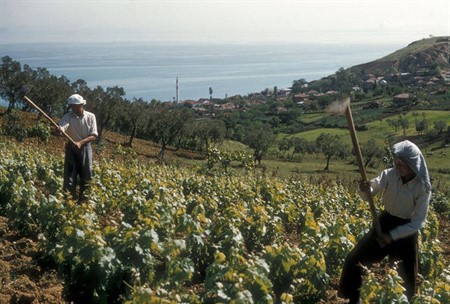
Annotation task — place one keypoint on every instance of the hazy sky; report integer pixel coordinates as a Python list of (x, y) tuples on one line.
[(363, 21)]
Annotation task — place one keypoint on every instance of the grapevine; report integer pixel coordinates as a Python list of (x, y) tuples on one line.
[(165, 234)]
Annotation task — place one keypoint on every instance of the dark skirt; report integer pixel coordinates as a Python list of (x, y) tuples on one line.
[(368, 251)]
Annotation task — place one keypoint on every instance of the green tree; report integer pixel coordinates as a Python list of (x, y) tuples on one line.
[(105, 105), (210, 93), (331, 145), (404, 123), (231, 121), (345, 80), (297, 85), (421, 126), (395, 124), (370, 151), (208, 132), (259, 137), (166, 123), (302, 146), (133, 118), (80, 87), (285, 144), (289, 117), (12, 80), (49, 92), (440, 126)]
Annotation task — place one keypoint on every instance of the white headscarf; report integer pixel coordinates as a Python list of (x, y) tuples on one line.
[(411, 154)]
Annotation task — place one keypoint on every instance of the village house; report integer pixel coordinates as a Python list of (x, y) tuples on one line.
[(227, 106), (284, 92), (300, 98), (356, 89), (434, 79), (191, 103), (402, 99), (369, 84)]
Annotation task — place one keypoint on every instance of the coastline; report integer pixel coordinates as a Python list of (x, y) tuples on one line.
[(149, 70)]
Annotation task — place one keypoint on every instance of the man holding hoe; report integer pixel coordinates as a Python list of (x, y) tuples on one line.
[(80, 126)]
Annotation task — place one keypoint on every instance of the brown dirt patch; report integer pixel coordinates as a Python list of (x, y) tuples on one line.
[(22, 279)]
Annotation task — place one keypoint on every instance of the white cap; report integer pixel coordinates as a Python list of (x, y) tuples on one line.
[(76, 99)]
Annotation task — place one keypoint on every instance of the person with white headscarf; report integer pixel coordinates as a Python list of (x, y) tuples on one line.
[(406, 193)]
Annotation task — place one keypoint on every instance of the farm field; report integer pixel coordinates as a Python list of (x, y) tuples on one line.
[(380, 131), (175, 234)]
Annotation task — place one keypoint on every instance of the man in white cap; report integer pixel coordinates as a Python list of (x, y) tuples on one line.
[(406, 192), (81, 126)]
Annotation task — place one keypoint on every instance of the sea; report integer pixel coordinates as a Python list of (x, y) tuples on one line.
[(151, 70)]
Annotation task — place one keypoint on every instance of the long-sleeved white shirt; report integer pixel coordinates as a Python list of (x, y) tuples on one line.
[(407, 201), (78, 128)]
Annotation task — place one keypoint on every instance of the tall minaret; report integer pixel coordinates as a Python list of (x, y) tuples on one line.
[(177, 91)]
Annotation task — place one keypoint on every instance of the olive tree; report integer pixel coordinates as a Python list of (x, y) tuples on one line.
[(166, 122), (105, 105), (133, 118), (302, 146), (370, 151), (12, 80), (331, 145), (259, 137), (49, 92), (208, 132), (440, 126)]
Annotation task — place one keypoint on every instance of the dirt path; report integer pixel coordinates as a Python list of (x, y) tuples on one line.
[(22, 279)]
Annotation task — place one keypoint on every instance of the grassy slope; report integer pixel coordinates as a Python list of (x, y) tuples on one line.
[(387, 63), (414, 47), (437, 158), (378, 129)]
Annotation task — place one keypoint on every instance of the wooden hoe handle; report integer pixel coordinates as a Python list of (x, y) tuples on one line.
[(48, 118), (362, 170)]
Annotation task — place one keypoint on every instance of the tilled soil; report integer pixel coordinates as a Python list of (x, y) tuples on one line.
[(22, 279)]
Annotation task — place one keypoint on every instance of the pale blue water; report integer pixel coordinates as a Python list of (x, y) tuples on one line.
[(148, 71)]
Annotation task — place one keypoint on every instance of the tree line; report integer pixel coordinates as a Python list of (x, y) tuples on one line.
[(167, 124)]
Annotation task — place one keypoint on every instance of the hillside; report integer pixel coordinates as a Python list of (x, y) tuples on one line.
[(182, 228), (425, 53)]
